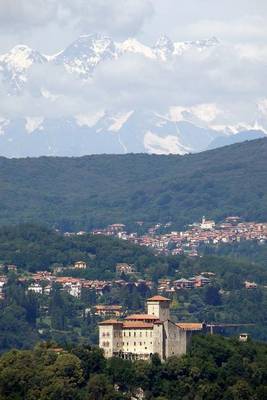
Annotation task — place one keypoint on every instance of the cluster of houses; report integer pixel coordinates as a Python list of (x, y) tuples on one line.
[(42, 282), (171, 286), (207, 232)]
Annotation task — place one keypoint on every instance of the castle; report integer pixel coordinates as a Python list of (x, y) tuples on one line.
[(139, 336)]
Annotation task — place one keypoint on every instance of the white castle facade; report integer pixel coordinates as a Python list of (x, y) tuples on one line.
[(139, 336)]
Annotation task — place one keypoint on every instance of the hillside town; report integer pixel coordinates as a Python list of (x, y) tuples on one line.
[(188, 242)]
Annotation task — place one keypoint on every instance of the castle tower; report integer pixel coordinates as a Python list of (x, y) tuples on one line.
[(160, 307), (110, 336)]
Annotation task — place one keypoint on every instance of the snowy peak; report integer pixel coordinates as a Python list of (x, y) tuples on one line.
[(15, 64), (164, 47), (85, 53), (21, 57), (134, 46)]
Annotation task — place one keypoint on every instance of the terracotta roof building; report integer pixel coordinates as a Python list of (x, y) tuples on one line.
[(138, 336)]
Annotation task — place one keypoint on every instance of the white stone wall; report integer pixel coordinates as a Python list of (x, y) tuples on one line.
[(138, 341), (117, 338), (106, 339), (160, 309)]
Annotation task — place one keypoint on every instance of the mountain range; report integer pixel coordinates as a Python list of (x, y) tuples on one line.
[(179, 130)]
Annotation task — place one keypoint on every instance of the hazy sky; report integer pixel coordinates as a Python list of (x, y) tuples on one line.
[(49, 25)]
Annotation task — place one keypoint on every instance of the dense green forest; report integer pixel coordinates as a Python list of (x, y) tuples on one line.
[(252, 251), (35, 248), (93, 191), (62, 318), (216, 369)]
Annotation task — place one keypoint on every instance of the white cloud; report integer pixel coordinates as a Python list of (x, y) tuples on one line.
[(33, 123), (245, 29), (119, 17), (262, 105), (23, 14)]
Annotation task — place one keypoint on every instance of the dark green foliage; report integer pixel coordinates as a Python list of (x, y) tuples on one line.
[(252, 251), (216, 369), (212, 296), (87, 192), (35, 248)]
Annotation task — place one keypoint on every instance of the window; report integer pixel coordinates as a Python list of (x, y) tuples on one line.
[(134, 343), (103, 334), (134, 334), (129, 334), (140, 334), (140, 343), (124, 334)]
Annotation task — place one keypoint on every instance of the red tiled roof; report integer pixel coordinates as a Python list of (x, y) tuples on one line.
[(190, 326), (137, 325), (110, 322), (158, 298), (141, 317)]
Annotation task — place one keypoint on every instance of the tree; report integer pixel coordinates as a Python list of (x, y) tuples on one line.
[(99, 388), (212, 296)]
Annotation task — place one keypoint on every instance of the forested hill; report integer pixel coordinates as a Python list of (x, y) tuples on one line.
[(92, 191)]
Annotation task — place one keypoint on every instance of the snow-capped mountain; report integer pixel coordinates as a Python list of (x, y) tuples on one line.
[(87, 52), (106, 131), (15, 65), (83, 55)]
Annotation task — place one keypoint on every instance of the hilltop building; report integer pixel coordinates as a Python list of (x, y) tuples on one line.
[(139, 336), (108, 310), (207, 224), (80, 265), (127, 269)]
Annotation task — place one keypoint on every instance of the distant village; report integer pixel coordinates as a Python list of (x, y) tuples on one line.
[(175, 243), (188, 242)]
